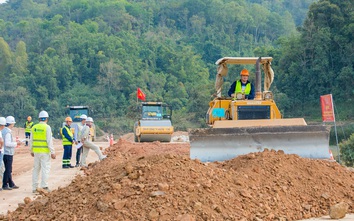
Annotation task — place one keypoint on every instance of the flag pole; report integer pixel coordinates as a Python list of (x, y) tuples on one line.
[(335, 129)]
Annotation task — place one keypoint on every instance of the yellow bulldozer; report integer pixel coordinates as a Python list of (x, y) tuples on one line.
[(154, 123), (240, 126)]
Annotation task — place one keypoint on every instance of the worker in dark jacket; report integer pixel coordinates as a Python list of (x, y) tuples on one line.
[(243, 87), (68, 140), (9, 151)]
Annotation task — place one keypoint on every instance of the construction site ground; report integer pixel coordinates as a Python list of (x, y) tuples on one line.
[(158, 181)]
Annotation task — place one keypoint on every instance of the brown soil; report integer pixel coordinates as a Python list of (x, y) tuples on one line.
[(158, 181)]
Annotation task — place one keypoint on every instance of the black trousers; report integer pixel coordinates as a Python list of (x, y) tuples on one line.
[(7, 178), (28, 135), (78, 155)]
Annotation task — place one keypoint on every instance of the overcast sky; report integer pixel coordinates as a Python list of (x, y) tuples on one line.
[(2, 1)]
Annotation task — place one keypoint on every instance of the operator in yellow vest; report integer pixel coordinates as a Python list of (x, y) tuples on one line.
[(42, 149), (88, 144), (68, 140), (28, 126), (243, 87)]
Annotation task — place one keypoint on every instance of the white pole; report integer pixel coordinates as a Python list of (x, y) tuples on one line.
[(335, 129)]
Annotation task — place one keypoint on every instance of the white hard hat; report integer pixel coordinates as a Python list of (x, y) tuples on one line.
[(89, 119), (10, 120), (83, 117), (2, 121), (43, 114)]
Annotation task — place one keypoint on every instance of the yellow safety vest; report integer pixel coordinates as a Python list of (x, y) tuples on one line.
[(238, 88), (28, 127), (65, 140), (39, 135)]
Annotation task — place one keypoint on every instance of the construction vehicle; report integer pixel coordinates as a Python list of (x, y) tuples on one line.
[(239, 126), (75, 112), (154, 123)]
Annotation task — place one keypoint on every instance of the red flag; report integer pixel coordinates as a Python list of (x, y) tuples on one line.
[(327, 108), (140, 94)]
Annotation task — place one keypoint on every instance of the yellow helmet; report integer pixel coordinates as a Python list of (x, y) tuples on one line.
[(244, 72), (68, 119), (29, 118)]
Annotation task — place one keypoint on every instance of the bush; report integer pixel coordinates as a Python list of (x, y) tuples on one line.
[(343, 132), (347, 151)]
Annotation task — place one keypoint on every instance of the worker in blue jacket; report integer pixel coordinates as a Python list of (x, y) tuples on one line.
[(242, 86), (68, 140)]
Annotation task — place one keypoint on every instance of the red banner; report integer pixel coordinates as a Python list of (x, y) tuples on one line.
[(327, 108), (140, 95)]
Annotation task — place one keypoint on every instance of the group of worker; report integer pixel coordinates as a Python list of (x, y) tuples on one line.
[(81, 139), (39, 138)]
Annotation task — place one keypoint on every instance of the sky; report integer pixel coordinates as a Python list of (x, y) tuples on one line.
[(2, 1)]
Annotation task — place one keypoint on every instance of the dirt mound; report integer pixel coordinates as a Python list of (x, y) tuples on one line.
[(177, 136), (137, 182)]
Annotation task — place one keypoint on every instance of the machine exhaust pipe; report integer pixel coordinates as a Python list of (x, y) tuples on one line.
[(258, 80)]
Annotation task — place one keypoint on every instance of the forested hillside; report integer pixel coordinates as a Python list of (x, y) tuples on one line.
[(320, 60), (55, 53)]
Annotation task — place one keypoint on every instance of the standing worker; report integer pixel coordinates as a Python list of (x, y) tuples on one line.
[(42, 149), (68, 140), (2, 126), (9, 151), (28, 126), (87, 143), (77, 137)]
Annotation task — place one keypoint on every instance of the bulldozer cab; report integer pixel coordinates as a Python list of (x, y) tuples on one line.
[(238, 109), (155, 111)]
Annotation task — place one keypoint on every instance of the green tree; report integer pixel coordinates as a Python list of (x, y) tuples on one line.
[(347, 151), (5, 59)]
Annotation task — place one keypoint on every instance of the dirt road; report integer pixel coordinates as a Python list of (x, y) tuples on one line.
[(22, 173)]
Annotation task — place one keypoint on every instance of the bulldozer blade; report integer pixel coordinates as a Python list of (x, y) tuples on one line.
[(219, 144)]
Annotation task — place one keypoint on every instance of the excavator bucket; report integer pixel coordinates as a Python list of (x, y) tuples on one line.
[(219, 144)]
